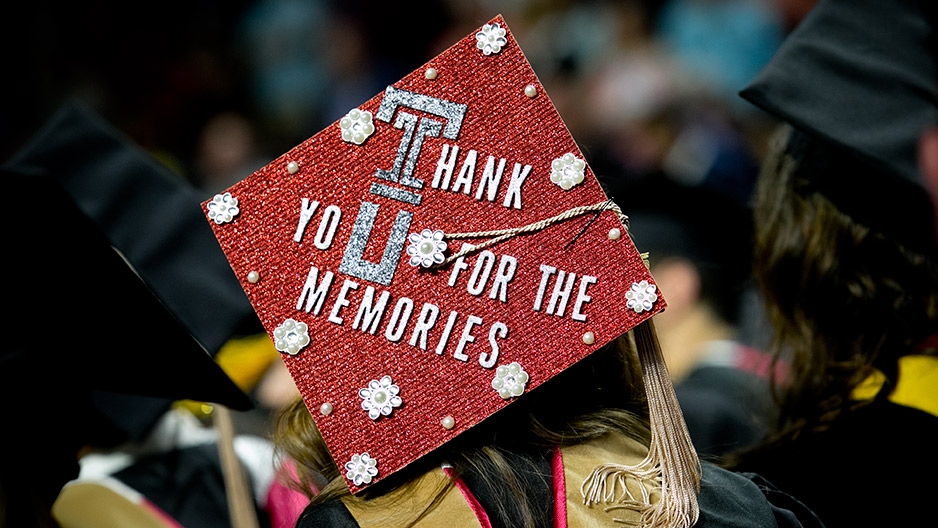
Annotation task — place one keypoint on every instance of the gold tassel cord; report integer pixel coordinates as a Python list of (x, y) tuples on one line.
[(670, 440), (500, 235), (608, 484), (672, 462)]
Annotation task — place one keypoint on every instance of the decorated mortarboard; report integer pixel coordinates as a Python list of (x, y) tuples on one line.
[(861, 77), (435, 254)]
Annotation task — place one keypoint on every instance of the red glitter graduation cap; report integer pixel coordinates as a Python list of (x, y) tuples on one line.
[(438, 252)]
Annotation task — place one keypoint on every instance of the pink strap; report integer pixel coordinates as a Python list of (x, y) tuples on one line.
[(559, 486), (284, 503), (163, 516), (560, 490), (471, 500)]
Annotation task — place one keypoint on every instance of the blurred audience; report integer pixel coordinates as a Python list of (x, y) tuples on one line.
[(721, 43), (227, 152), (290, 67), (282, 44)]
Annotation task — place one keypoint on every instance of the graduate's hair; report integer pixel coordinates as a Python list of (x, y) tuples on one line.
[(843, 299), (602, 393)]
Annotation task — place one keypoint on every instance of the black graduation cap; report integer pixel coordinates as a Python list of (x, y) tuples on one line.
[(153, 215), (93, 353), (860, 76), (154, 218)]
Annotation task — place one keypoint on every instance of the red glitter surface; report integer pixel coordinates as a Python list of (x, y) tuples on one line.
[(500, 121)]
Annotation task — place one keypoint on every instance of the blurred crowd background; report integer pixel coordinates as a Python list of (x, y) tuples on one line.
[(215, 89)]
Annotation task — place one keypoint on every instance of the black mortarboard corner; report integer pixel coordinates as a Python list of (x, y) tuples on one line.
[(153, 217), (85, 331), (860, 75)]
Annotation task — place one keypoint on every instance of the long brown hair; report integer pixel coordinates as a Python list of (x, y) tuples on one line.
[(842, 298)]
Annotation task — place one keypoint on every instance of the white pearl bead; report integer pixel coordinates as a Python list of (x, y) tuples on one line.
[(530, 90), (293, 167), (448, 422), (253, 277), (589, 338), (614, 233), (326, 409), (430, 73)]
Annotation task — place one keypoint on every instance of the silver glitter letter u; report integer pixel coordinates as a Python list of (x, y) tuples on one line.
[(353, 262)]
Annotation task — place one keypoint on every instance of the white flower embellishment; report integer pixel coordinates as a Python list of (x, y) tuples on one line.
[(361, 469), (356, 126), (291, 336), (223, 208), (426, 248), (491, 39), (641, 296), (380, 397), (510, 380), (567, 171)]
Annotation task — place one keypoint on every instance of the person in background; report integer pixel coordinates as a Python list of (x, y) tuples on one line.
[(698, 235), (847, 260), (227, 151)]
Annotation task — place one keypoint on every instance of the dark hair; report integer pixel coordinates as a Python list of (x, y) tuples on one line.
[(842, 298)]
